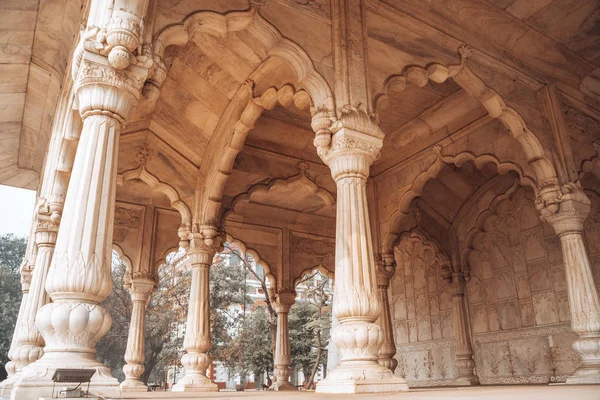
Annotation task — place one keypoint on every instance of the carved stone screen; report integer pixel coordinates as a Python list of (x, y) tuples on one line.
[(517, 295), (422, 315)]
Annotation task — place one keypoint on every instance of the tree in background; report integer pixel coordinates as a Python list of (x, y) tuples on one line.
[(310, 325), (12, 252), (166, 314)]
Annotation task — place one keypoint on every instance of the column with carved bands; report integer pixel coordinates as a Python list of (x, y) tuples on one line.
[(14, 367), (462, 334), (282, 360), (140, 290), (385, 271), (79, 277), (197, 340), (349, 146), (567, 213)]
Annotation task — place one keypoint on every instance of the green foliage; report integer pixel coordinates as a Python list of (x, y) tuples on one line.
[(250, 351), (166, 315), (12, 251), (302, 338)]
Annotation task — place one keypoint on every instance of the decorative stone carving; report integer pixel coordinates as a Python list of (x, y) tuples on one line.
[(349, 146), (140, 291), (284, 299), (202, 248), (567, 213), (385, 270), (78, 278)]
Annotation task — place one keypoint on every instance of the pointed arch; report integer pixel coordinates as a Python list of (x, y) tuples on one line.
[(488, 97), (319, 267), (308, 90), (257, 258), (432, 172), (151, 180)]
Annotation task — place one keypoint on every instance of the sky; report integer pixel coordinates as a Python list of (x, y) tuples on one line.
[(16, 208)]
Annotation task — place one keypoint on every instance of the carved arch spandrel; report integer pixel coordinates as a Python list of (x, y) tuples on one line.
[(431, 172)]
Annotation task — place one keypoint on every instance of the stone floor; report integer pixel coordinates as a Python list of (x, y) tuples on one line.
[(553, 392)]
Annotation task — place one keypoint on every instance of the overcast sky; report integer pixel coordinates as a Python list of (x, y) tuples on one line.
[(16, 208)]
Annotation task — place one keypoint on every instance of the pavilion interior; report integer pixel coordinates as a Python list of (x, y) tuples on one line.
[(453, 189)]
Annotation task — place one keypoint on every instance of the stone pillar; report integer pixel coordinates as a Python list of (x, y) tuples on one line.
[(14, 365), (140, 291), (567, 215), (333, 353), (462, 332), (283, 359), (349, 146), (31, 343), (79, 277), (197, 339), (385, 271)]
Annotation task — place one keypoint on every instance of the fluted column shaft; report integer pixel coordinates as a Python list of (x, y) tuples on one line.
[(568, 223), (31, 343), (79, 276), (349, 147), (283, 358), (140, 291), (197, 340), (14, 365), (388, 348), (462, 334)]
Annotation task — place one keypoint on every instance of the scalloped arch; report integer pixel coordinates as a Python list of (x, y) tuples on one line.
[(151, 180), (432, 172), (272, 44), (247, 250), (324, 195), (125, 258), (417, 235), (214, 186), (489, 98), (319, 267)]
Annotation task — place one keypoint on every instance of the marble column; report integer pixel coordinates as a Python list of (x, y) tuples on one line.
[(14, 367), (462, 332), (79, 277), (349, 145), (197, 340), (567, 214), (283, 359), (140, 290), (385, 271), (333, 353)]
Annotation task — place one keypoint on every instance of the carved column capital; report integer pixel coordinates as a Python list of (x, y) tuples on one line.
[(284, 300), (348, 145), (567, 210), (202, 249), (140, 289), (104, 90), (26, 274), (457, 284), (385, 269)]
